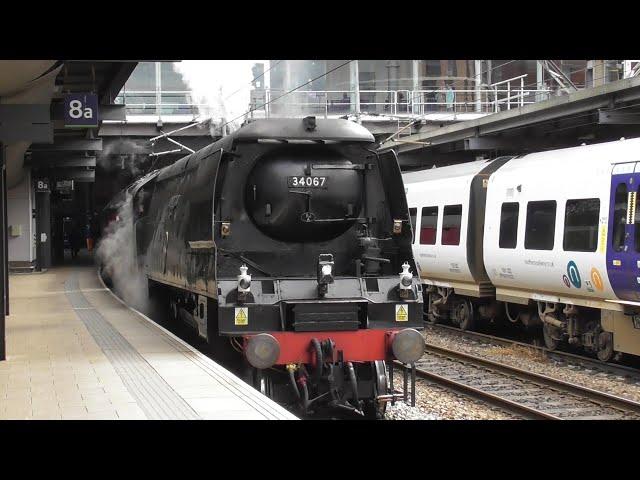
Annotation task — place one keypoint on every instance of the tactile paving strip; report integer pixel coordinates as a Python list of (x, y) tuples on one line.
[(248, 394), (152, 393)]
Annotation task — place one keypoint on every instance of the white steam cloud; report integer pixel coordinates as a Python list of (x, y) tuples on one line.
[(116, 253), (221, 86)]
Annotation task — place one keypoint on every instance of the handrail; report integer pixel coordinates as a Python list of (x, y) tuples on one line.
[(509, 80), (404, 102)]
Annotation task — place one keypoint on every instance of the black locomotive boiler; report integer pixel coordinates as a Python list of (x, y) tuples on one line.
[(288, 242)]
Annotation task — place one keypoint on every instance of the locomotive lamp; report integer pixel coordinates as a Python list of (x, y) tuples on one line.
[(325, 273), (225, 229), (244, 280), (397, 226), (406, 280)]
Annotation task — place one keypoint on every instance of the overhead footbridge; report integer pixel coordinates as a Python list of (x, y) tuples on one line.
[(593, 115)]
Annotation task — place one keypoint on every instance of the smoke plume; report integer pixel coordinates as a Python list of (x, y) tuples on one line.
[(220, 87)]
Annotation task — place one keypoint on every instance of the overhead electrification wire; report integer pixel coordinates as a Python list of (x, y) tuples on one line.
[(287, 92), (256, 78)]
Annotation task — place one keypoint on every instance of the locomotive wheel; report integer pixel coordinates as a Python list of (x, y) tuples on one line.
[(464, 314), (605, 346), (373, 409), (547, 333)]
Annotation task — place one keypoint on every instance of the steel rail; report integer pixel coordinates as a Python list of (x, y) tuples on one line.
[(486, 397), (600, 398), (557, 354)]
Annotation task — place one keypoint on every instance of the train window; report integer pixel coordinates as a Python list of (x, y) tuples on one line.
[(413, 212), (428, 225), (451, 220), (541, 222), (619, 217), (509, 225), (581, 220)]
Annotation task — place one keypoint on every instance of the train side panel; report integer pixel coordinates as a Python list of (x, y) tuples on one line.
[(545, 260), (441, 199)]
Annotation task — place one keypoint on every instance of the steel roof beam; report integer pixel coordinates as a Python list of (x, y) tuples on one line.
[(120, 74), (69, 144), (609, 117), (65, 162)]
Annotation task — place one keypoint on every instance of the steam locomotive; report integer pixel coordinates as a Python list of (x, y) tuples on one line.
[(287, 244)]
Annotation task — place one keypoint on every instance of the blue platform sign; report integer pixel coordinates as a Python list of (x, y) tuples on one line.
[(81, 110)]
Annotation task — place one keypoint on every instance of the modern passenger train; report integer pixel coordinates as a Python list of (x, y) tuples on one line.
[(550, 238)]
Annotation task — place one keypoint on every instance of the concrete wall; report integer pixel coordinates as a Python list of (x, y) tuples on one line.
[(19, 208)]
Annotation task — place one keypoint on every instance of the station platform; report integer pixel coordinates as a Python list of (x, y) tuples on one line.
[(76, 351)]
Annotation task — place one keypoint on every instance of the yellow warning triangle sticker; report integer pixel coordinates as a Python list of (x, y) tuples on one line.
[(401, 313), (242, 318)]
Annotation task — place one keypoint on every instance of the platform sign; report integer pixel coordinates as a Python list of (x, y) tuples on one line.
[(42, 185), (81, 110), (64, 186)]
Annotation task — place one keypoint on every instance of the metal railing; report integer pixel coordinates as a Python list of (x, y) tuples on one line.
[(504, 95), (160, 103)]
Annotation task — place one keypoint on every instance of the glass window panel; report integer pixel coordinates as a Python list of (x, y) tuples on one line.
[(451, 224), (428, 225), (581, 225), (619, 217), (541, 221), (509, 225)]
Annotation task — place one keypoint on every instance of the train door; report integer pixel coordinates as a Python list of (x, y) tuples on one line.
[(623, 245)]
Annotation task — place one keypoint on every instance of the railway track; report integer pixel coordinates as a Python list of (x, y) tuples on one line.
[(576, 361), (526, 394)]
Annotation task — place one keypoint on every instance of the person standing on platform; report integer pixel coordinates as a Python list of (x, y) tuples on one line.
[(450, 98), (94, 228), (75, 238), (88, 234)]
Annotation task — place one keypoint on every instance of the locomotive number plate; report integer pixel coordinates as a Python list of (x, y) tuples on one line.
[(307, 182)]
